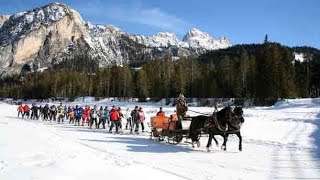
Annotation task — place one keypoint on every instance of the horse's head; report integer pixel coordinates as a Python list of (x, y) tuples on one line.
[(224, 113), (239, 113)]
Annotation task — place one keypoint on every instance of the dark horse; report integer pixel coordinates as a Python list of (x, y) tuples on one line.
[(198, 126), (222, 123)]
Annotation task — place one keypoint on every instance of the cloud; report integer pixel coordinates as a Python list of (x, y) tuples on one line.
[(148, 16)]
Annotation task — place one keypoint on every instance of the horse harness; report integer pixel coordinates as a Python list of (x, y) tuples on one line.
[(212, 121)]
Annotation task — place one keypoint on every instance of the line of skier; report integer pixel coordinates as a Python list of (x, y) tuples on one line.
[(93, 117)]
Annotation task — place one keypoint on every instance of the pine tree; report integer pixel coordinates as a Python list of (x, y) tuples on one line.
[(244, 69), (168, 73), (142, 84), (180, 76), (287, 74), (252, 77), (225, 74), (126, 81), (266, 40)]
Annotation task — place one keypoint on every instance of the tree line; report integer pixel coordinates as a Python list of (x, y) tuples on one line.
[(265, 70)]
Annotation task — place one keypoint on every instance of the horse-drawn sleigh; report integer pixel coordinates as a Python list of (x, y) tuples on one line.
[(169, 127), (224, 122)]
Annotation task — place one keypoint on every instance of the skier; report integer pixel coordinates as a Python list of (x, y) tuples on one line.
[(142, 118), (86, 116), (102, 118), (114, 117), (121, 116), (129, 119), (78, 114), (60, 113), (20, 110), (69, 110), (107, 115), (94, 116), (71, 115), (135, 119), (46, 112), (53, 113), (40, 112), (34, 112), (26, 111), (66, 112)]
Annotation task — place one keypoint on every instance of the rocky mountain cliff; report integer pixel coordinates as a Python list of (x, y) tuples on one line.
[(46, 35), (3, 18)]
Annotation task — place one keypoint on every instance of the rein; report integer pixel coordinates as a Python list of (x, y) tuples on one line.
[(200, 113)]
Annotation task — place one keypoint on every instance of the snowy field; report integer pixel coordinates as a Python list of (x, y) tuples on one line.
[(279, 142)]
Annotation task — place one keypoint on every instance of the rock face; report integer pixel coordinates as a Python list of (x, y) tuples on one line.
[(44, 36), (37, 36), (3, 18)]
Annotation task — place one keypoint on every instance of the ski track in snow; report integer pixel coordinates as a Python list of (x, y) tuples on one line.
[(279, 142)]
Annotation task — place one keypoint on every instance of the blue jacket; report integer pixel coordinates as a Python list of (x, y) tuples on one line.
[(78, 112), (106, 113)]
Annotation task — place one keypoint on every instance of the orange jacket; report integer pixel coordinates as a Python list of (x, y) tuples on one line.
[(71, 114)]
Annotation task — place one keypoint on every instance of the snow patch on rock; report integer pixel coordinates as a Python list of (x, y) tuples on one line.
[(299, 57)]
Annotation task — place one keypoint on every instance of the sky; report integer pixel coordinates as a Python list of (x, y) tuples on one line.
[(289, 22)]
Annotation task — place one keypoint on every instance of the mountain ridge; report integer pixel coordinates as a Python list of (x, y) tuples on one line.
[(49, 34)]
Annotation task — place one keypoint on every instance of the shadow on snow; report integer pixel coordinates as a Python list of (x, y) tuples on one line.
[(143, 145), (316, 134)]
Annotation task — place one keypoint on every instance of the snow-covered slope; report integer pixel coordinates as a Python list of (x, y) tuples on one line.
[(279, 142), (43, 36)]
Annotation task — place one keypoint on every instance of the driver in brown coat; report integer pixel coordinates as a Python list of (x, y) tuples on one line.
[(182, 109)]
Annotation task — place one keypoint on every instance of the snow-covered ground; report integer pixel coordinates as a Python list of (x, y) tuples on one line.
[(279, 142)]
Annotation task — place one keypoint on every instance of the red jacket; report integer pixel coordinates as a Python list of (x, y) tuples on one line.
[(87, 112), (26, 108), (20, 108), (114, 115)]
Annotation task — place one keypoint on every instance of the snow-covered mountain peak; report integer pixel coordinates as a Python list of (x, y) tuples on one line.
[(41, 15), (103, 30), (224, 42), (197, 39), (195, 33), (113, 29), (169, 39), (51, 12), (166, 35)]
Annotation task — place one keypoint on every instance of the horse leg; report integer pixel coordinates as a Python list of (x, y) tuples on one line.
[(198, 140), (225, 139), (195, 142), (193, 139), (240, 140), (209, 141), (216, 141)]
